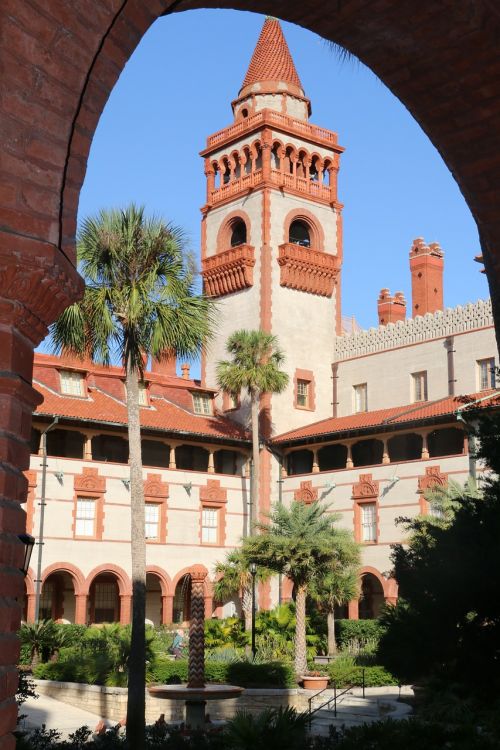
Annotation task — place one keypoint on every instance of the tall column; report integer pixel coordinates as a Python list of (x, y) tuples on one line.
[(36, 283), (211, 465), (167, 609), (81, 609), (125, 608), (425, 447), (385, 453), (171, 463), (349, 463), (87, 446), (353, 609), (315, 466), (196, 668)]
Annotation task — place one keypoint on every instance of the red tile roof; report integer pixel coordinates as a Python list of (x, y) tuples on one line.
[(382, 418), (271, 60)]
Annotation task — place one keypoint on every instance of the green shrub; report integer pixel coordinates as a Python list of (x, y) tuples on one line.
[(227, 632), (345, 673), (242, 673), (362, 631)]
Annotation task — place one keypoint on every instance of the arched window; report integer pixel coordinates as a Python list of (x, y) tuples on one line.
[(238, 233), (299, 233), (275, 157), (244, 112)]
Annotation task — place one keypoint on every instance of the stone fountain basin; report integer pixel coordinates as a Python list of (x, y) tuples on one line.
[(210, 692)]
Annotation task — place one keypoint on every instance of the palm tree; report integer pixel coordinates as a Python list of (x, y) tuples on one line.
[(255, 366), (234, 577), (139, 301), (298, 542), (339, 582)]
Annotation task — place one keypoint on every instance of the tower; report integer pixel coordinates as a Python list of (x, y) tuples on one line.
[(272, 232)]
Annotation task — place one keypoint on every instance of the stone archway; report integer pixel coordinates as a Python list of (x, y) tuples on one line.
[(58, 68)]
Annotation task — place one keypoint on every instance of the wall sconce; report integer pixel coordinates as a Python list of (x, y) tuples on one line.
[(126, 483), (59, 475), (330, 485), (392, 481), (29, 543), (188, 487)]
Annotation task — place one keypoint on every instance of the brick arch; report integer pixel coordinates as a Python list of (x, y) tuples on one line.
[(72, 570), (187, 571), (312, 221), (224, 232), (30, 583), (124, 582), (167, 589), (389, 586)]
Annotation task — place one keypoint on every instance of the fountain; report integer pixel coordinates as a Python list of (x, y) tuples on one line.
[(196, 693)]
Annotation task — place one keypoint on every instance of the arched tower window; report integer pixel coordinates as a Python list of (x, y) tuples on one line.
[(275, 157), (238, 233), (299, 233)]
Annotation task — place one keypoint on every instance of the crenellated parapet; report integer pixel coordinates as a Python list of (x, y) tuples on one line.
[(415, 330)]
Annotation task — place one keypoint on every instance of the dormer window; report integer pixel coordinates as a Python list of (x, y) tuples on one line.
[(238, 233), (299, 234), (72, 383), (143, 394), (202, 404)]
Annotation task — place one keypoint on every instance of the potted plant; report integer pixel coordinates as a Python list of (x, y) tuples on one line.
[(315, 680)]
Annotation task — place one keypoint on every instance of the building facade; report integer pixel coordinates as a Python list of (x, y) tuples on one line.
[(370, 422)]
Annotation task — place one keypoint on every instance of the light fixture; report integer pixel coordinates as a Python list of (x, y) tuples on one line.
[(126, 483), (59, 475), (188, 487), (29, 543)]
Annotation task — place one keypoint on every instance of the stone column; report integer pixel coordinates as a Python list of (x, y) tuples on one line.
[(30, 608), (196, 668), (315, 467), (353, 609), (349, 464), (385, 453), (81, 609), (87, 446), (167, 609), (171, 463), (125, 608), (211, 465), (36, 283), (425, 447)]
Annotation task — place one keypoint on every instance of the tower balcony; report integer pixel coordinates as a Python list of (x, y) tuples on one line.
[(229, 271), (307, 270), (281, 179)]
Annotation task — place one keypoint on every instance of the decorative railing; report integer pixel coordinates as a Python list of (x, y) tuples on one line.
[(282, 179), (229, 271), (279, 120), (236, 186), (307, 270)]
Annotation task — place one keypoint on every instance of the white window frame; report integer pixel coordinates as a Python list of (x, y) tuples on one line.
[(71, 383), (419, 386), (360, 397), (202, 404), (209, 525), (143, 395), (152, 524), (304, 386), (486, 373), (85, 516), (368, 522)]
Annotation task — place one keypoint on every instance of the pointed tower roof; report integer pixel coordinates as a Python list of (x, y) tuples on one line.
[(272, 63)]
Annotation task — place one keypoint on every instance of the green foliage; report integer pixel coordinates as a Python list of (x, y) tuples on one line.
[(255, 364), (243, 673), (359, 632), (39, 639), (281, 729), (346, 670), (275, 634), (229, 631)]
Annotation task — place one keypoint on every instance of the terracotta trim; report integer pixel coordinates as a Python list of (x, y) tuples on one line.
[(65, 567), (229, 271), (223, 241), (312, 221), (306, 493), (365, 492), (163, 577), (89, 485), (213, 496), (124, 582), (432, 479), (308, 376), (156, 492)]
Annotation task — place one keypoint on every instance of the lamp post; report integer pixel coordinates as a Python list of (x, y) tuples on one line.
[(38, 580), (253, 573), (28, 542)]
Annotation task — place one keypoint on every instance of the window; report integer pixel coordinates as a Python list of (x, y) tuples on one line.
[(85, 517), (209, 525), (143, 394), (238, 233), (152, 516), (419, 380), (299, 234), (202, 403), (486, 373), (105, 602), (302, 393), (71, 383), (46, 599), (361, 397), (369, 522)]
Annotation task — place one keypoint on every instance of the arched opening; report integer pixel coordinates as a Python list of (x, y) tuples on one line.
[(299, 233), (154, 600), (227, 462), (110, 448), (325, 174), (300, 462), (446, 442), (182, 601), (332, 457), (367, 452), (191, 458), (216, 176), (225, 171), (57, 598), (275, 156), (247, 159), (65, 443), (405, 447), (238, 233), (104, 599), (155, 453), (372, 597)]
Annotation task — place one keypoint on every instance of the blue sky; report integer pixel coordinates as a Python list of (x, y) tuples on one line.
[(177, 88)]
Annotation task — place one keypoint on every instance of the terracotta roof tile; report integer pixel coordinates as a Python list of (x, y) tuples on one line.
[(162, 415), (394, 415), (271, 60)]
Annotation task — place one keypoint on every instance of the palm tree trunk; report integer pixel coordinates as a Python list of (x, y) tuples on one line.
[(332, 643), (136, 702), (246, 606), (300, 631), (256, 462)]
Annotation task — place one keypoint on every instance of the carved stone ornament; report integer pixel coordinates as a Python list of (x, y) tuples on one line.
[(154, 487), (433, 478), (307, 270), (213, 493), (306, 493), (90, 481), (229, 271), (365, 488)]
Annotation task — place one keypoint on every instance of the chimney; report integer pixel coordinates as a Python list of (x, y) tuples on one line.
[(185, 371), (165, 366), (426, 267), (391, 309)]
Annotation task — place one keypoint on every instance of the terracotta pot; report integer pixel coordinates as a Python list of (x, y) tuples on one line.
[(314, 683)]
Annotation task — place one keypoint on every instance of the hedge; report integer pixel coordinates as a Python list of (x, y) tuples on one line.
[(375, 676), (360, 630), (242, 673)]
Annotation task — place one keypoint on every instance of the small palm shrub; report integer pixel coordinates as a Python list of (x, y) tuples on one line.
[(227, 632)]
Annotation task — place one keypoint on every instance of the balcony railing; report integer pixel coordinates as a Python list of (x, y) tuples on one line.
[(229, 271), (307, 270)]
